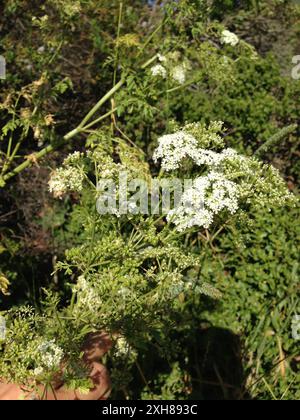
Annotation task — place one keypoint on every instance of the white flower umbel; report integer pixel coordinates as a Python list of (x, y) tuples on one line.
[(64, 180), (210, 195), (73, 158), (173, 148), (123, 349), (87, 296), (38, 371), (158, 70), (208, 157), (50, 354), (178, 74), (229, 38), (231, 179), (215, 160), (162, 58), (224, 194)]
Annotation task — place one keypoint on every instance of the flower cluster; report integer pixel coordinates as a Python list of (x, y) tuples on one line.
[(173, 148), (260, 185), (50, 355), (158, 70), (211, 158), (208, 137), (73, 158), (64, 180), (69, 177), (229, 38), (122, 347), (87, 296), (167, 66), (178, 73), (230, 180), (208, 196), (123, 350), (38, 372)]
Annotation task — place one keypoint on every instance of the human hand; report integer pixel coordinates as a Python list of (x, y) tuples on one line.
[(95, 347)]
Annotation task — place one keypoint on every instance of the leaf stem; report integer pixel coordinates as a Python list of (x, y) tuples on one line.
[(79, 129)]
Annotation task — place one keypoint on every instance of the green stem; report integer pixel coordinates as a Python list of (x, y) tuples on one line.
[(81, 127), (150, 61), (69, 135), (100, 118), (152, 35), (9, 147), (275, 139), (13, 154), (117, 45), (181, 86), (10, 143), (27, 162), (100, 103)]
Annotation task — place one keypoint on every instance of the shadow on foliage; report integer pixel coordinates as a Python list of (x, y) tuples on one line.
[(218, 366), (208, 366)]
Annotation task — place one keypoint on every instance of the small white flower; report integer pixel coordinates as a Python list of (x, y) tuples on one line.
[(158, 70), (173, 148), (124, 292), (41, 49), (229, 38), (122, 347), (38, 371), (178, 74), (162, 58), (64, 180), (50, 354), (73, 158), (225, 60), (87, 295), (107, 173), (209, 195)]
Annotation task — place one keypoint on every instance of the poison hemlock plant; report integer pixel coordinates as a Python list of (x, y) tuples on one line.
[(131, 267), (134, 265)]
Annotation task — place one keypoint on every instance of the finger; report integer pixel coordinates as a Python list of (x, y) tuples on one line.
[(10, 392), (96, 345)]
